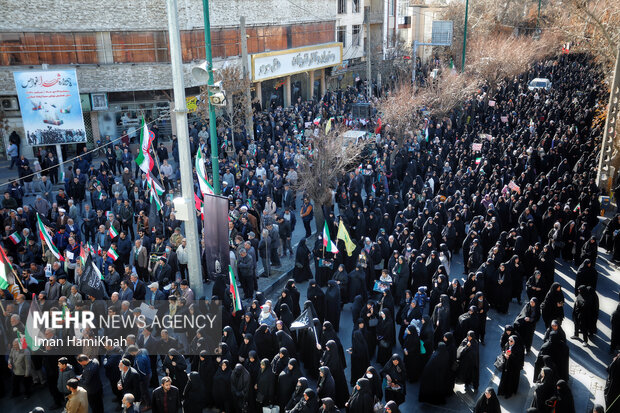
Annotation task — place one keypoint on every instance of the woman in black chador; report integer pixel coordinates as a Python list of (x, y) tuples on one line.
[(359, 356), (434, 381), (331, 359), (514, 354)]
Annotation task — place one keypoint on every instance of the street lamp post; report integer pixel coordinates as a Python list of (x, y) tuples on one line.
[(212, 126), (465, 36), (185, 157)]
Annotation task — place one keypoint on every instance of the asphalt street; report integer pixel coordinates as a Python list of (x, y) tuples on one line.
[(587, 364)]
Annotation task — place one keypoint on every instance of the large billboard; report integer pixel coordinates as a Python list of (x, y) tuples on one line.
[(215, 234), (50, 106)]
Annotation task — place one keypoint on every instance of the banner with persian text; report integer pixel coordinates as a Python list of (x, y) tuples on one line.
[(50, 106)]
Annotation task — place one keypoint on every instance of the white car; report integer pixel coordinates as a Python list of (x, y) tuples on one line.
[(539, 83)]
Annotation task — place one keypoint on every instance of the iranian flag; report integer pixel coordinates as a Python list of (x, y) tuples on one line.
[(144, 159), (113, 232), (205, 187), (113, 254), (6, 272), (33, 332), (478, 160), (45, 238), (15, 238), (234, 291), (328, 244)]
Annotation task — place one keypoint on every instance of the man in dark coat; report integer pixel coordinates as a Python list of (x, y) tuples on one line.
[(130, 379), (166, 398), (91, 382)]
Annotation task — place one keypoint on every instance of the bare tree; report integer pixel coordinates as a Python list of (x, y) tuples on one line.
[(446, 92), (401, 109), (591, 25), (493, 59), (234, 84), (326, 158)]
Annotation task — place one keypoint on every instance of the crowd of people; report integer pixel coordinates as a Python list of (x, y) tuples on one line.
[(513, 207)]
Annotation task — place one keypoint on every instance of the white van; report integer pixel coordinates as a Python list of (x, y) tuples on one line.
[(539, 83)]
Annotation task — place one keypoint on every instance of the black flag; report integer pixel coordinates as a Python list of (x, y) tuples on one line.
[(215, 234), (303, 321), (90, 282)]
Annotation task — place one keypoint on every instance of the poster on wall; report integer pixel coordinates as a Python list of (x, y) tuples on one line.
[(51, 107)]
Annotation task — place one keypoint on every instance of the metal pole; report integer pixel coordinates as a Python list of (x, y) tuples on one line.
[(185, 158), (368, 62), (414, 59), (604, 169), (465, 36), (538, 18), (212, 126), (249, 121)]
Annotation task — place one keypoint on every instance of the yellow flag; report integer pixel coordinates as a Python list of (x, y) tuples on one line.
[(328, 126), (343, 234)]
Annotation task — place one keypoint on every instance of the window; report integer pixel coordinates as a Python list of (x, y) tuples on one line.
[(356, 6), (341, 35), (391, 7), (357, 32), (342, 6)]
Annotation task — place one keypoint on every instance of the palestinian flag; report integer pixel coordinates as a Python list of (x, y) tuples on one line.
[(6, 271), (45, 238), (15, 238), (234, 291), (152, 183), (205, 187), (113, 232), (328, 244), (112, 254), (198, 202), (83, 255), (154, 198), (23, 344), (144, 159), (33, 332)]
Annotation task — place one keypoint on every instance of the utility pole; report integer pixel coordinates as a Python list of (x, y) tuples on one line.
[(249, 121), (368, 63), (212, 126), (605, 168), (185, 158), (465, 36), (538, 18)]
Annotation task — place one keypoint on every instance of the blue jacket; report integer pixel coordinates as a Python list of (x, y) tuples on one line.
[(142, 363)]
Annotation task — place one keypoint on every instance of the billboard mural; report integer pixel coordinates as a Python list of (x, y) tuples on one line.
[(50, 106)]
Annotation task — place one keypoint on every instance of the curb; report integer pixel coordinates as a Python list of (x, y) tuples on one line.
[(288, 273)]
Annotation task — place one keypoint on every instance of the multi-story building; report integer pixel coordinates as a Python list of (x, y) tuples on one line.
[(120, 52)]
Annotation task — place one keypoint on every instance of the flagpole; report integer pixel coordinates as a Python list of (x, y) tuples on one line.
[(17, 278), (12, 269)]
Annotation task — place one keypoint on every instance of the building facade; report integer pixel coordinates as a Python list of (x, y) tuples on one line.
[(121, 55)]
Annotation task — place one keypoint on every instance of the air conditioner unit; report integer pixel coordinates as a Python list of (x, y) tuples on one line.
[(9, 104)]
